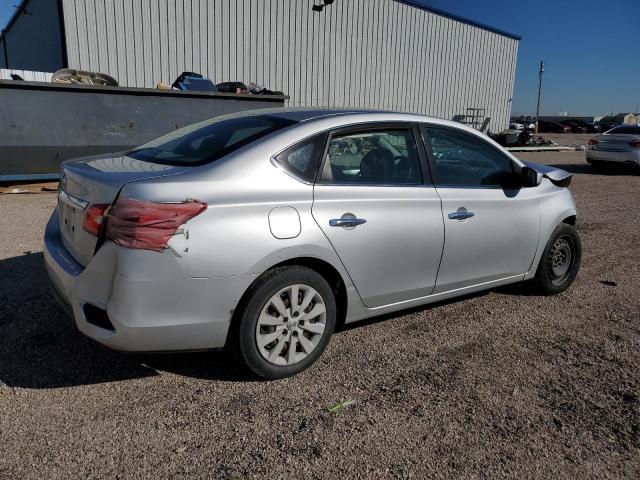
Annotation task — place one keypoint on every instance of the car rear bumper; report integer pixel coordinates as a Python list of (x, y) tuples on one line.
[(150, 303), (632, 157)]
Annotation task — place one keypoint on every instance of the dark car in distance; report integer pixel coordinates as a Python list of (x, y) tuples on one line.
[(589, 126), (545, 126), (574, 126)]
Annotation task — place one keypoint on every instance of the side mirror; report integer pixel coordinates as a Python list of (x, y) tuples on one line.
[(530, 178)]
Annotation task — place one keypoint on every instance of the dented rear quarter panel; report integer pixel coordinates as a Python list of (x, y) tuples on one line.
[(233, 235)]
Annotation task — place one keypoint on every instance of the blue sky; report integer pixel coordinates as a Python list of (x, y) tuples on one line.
[(591, 49)]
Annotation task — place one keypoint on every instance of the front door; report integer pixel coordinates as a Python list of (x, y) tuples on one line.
[(491, 229), (375, 204)]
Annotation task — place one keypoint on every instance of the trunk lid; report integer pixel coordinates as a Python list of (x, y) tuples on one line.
[(615, 143), (97, 180)]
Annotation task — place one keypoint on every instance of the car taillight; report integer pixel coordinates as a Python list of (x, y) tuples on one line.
[(593, 142), (148, 225), (93, 218), (635, 144)]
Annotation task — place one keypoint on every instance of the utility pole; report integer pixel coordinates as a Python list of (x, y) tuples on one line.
[(539, 90)]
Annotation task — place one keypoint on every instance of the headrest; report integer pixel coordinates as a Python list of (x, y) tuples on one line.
[(377, 166)]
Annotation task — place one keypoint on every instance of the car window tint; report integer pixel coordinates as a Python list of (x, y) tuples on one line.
[(302, 159), (382, 157), (626, 129), (208, 141), (462, 160)]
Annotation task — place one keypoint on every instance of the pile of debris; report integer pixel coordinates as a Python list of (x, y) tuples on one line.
[(190, 81), (520, 138), (195, 82), (22, 187)]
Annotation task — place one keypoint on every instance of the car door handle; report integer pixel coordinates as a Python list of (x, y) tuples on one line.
[(461, 214), (346, 222)]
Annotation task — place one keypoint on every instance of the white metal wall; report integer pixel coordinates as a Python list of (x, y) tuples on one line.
[(27, 75), (361, 53)]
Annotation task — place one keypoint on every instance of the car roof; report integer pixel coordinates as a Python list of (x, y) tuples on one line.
[(306, 114), (327, 118), (303, 114)]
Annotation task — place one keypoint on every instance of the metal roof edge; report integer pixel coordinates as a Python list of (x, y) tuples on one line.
[(458, 18), (18, 10), (411, 3)]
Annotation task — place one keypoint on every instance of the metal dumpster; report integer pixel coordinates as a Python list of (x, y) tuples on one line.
[(42, 124)]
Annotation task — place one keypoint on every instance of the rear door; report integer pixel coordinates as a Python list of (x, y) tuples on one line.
[(491, 230), (377, 206)]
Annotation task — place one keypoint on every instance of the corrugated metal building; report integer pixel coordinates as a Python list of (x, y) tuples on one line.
[(385, 54)]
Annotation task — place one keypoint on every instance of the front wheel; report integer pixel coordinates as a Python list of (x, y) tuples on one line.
[(287, 322), (560, 261)]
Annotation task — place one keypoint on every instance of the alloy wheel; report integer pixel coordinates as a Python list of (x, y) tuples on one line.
[(291, 324)]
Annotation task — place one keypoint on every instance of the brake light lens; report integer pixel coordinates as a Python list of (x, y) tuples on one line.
[(593, 142), (635, 144), (93, 218), (148, 225)]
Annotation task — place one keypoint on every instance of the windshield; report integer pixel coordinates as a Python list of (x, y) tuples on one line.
[(626, 129), (208, 141)]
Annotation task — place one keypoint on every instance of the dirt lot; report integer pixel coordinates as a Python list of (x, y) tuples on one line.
[(502, 384), (568, 138)]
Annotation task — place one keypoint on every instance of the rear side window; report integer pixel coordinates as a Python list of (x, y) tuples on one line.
[(208, 141), (302, 159), (380, 157), (626, 130)]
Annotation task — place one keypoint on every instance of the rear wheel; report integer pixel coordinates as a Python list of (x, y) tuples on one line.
[(287, 322), (560, 261)]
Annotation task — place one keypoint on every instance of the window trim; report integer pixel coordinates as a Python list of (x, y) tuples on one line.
[(426, 139), (425, 172)]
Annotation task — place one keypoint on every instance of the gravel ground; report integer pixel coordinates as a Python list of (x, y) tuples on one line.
[(501, 384), (570, 139)]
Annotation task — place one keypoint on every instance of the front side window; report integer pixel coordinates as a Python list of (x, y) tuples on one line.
[(462, 160), (381, 157), (208, 141)]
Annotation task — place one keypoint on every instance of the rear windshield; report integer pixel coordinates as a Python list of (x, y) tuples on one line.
[(626, 129), (208, 141)]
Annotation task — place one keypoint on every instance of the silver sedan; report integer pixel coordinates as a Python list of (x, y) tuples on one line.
[(265, 231), (618, 146)]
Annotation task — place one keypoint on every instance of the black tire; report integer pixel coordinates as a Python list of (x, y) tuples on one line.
[(597, 166), (560, 261), (244, 335)]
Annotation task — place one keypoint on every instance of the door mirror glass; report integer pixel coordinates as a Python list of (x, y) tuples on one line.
[(530, 178)]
